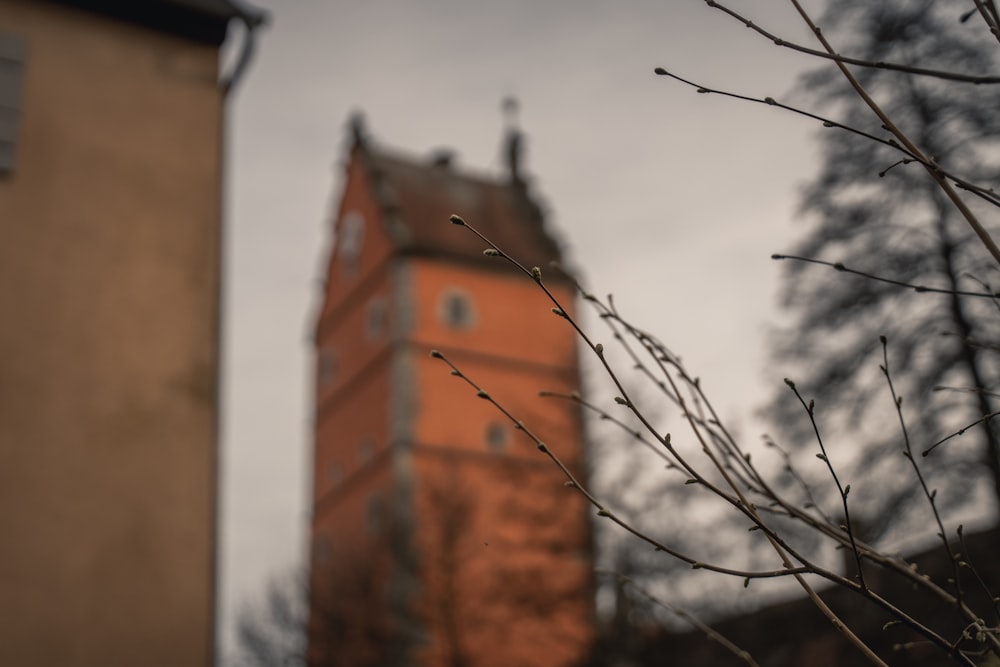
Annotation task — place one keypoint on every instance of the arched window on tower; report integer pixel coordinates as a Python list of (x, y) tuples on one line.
[(377, 320), (455, 309), (496, 436)]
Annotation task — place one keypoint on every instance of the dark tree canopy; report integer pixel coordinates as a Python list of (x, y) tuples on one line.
[(897, 224)]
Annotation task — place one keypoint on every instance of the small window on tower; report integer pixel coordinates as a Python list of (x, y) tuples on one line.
[(352, 237), (376, 514), (496, 436), (326, 371), (456, 309), (378, 318)]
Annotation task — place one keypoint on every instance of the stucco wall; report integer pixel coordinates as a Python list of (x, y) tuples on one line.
[(109, 282)]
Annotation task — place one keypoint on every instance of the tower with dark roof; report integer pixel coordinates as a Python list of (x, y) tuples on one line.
[(440, 535)]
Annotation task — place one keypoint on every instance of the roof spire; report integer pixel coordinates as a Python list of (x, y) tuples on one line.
[(356, 127), (513, 140)]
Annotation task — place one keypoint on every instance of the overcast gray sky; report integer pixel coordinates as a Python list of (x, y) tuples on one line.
[(671, 200)]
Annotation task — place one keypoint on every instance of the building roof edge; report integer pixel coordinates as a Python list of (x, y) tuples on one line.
[(199, 20)]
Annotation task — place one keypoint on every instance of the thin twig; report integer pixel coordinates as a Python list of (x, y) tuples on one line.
[(988, 11), (839, 266), (860, 62), (810, 409), (967, 562), (984, 193), (602, 511), (961, 431), (707, 630), (931, 496)]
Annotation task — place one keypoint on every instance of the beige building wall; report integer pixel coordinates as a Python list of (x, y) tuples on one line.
[(109, 289)]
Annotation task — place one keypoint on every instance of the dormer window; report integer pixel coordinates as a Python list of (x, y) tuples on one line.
[(352, 237)]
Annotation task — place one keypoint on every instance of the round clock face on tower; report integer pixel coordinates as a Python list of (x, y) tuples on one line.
[(352, 236)]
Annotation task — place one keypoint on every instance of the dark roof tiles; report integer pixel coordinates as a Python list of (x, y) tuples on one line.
[(418, 198), (200, 20)]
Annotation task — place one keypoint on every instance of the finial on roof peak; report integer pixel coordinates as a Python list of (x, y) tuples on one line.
[(513, 140), (510, 107), (356, 123), (443, 157)]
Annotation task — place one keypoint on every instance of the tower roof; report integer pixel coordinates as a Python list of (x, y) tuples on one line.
[(417, 197)]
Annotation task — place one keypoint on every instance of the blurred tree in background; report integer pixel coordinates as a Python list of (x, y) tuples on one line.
[(272, 632), (876, 215)]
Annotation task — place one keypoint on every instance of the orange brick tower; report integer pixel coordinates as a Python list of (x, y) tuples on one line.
[(440, 535)]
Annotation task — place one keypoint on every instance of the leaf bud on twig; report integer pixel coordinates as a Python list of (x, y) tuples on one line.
[(456, 219), (536, 273), (491, 252)]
